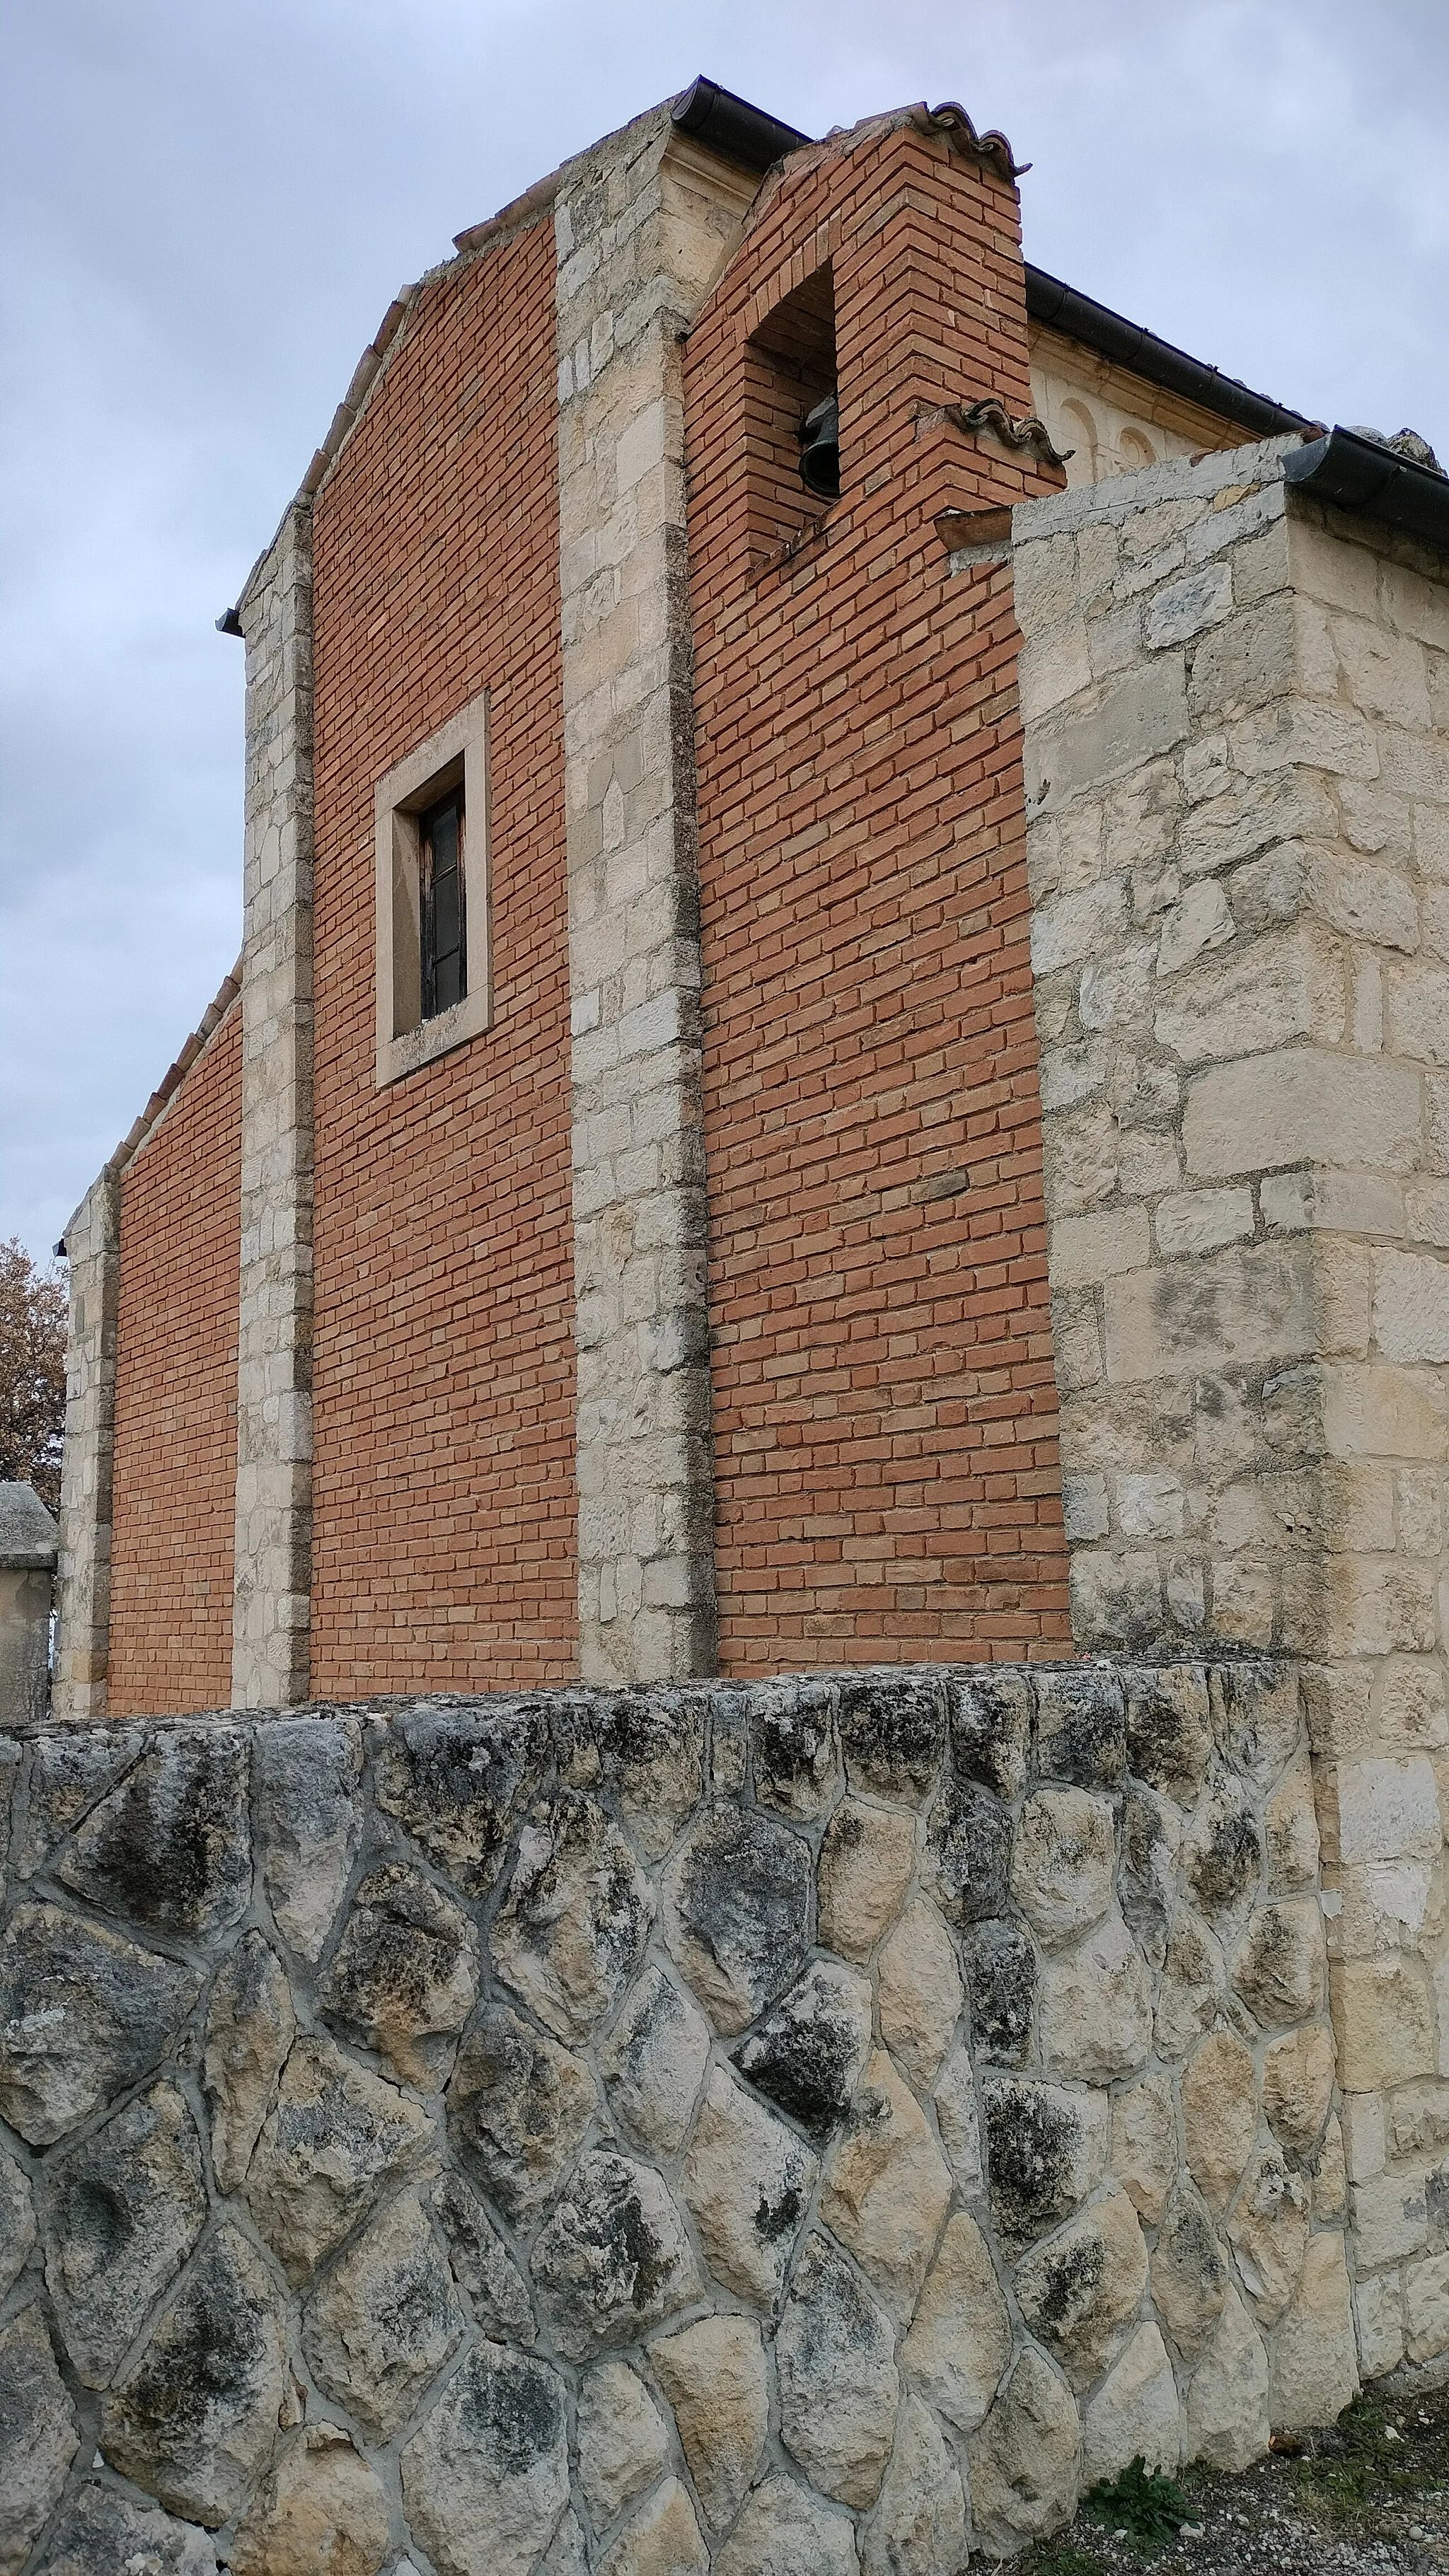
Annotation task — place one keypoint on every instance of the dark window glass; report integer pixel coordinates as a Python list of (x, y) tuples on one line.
[(443, 924)]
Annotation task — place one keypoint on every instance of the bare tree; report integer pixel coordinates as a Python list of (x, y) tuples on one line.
[(32, 1372)]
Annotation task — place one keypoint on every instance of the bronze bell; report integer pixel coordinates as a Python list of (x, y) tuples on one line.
[(820, 449)]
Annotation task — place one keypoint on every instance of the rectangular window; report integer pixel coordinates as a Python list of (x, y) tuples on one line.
[(442, 904), (434, 978)]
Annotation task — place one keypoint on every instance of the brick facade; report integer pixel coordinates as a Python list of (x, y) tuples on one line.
[(443, 1499), (689, 1314), (884, 1407), (174, 1474)]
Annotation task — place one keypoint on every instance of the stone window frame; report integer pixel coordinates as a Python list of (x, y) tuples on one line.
[(458, 751)]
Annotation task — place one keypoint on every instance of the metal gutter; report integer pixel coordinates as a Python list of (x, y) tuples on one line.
[(732, 128), (1356, 474), (1127, 344)]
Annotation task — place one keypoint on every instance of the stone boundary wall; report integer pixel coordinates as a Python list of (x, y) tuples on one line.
[(824, 2123)]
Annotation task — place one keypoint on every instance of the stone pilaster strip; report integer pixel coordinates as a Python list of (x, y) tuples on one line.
[(93, 1248), (643, 224), (272, 1602)]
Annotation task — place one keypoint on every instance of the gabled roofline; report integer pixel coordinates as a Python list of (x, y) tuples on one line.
[(170, 1083)]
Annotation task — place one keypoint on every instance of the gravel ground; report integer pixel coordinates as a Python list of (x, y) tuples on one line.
[(1368, 2498)]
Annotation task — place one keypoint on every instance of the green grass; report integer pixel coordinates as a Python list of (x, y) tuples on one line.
[(1063, 2558), (1359, 2465)]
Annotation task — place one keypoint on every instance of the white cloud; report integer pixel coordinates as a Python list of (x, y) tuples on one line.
[(209, 209)]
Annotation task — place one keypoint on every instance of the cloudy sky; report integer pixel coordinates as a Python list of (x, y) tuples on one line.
[(209, 204)]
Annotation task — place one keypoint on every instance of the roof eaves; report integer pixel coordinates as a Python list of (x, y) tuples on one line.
[(1058, 307), (1371, 481)]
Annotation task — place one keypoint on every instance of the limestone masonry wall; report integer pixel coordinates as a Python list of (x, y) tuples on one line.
[(1237, 772), (818, 2124)]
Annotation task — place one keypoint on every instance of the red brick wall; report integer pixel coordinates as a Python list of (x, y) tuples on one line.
[(443, 1534), (175, 1456), (884, 1406)]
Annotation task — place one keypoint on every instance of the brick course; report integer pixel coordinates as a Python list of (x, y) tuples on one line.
[(884, 1408), (444, 1512), (174, 1478)]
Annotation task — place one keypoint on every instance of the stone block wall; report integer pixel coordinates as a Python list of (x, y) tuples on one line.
[(822, 2122), (1237, 768)]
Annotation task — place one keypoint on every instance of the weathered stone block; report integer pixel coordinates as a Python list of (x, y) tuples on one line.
[(784, 2530), (865, 1867), (737, 1903), (518, 2108), (714, 2377), (123, 2211), (1096, 2008), (747, 2183), (808, 2055), (322, 2508), (335, 2137), (1135, 2414), (194, 2420), (38, 2436), (1384, 2023), (1278, 1966), (380, 2327), (839, 2392), (1143, 2157), (486, 2476), (250, 2026), (481, 2263), (1298, 2073), (920, 2525), (1078, 2291), (623, 2439), (960, 2338), (83, 2013), (459, 1785), (1026, 2466), (662, 2540), (1002, 1977), (1062, 1862), (171, 1846), (1219, 2116), (102, 2533), (893, 1734), (1227, 2402), (919, 1993), (614, 2259), (968, 1852), (1315, 2365), (309, 1814), (887, 2188), (404, 1977), (1269, 2233)]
